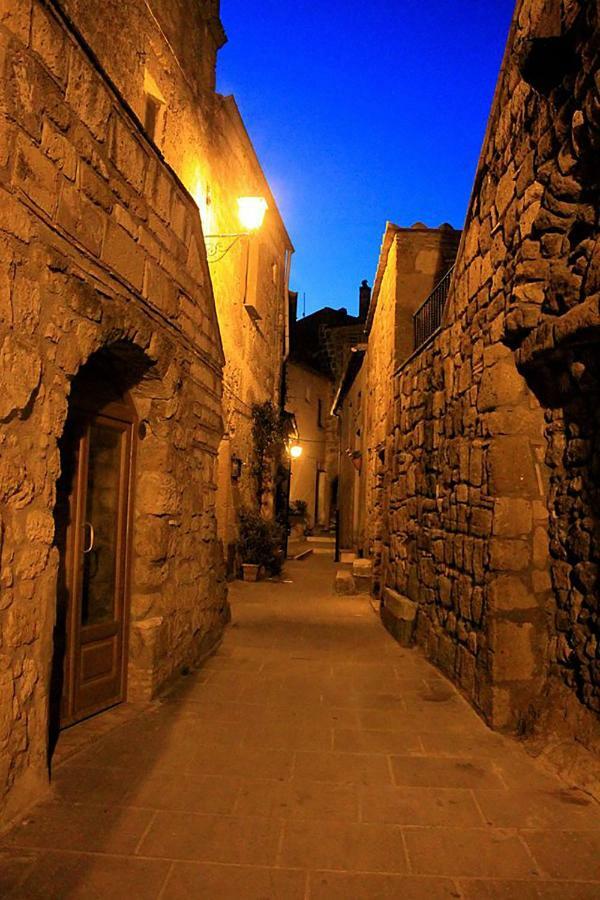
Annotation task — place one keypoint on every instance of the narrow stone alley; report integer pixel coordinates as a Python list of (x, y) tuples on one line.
[(311, 757)]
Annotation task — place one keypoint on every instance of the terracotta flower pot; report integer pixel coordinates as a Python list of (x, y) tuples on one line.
[(251, 571)]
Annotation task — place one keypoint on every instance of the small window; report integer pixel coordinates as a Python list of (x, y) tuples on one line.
[(319, 413), (154, 107), (152, 115)]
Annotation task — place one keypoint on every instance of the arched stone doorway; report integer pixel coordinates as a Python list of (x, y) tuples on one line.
[(94, 516)]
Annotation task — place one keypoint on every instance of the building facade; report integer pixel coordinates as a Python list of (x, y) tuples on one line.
[(162, 57), (348, 408), (320, 347), (412, 261), (309, 395), (250, 278), (113, 140), (489, 494)]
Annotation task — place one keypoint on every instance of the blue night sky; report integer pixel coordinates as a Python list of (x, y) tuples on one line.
[(360, 113)]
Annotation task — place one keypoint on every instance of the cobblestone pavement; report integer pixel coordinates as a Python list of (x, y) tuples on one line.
[(314, 758)]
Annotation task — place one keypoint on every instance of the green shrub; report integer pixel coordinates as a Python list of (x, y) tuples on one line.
[(298, 508), (260, 541)]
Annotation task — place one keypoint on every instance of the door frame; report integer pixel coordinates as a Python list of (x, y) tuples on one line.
[(84, 410)]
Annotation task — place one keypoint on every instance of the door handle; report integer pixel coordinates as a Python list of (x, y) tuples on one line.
[(90, 546)]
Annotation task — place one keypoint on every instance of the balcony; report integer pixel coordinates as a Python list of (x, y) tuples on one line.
[(428, 318)]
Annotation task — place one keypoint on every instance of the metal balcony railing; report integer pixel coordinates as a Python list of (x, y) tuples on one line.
[(428, 317)]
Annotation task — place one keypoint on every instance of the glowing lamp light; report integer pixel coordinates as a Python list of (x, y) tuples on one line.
[(295, 451), (251, 212)]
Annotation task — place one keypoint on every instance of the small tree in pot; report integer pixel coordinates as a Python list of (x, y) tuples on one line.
[(259, 545), (298, 517)]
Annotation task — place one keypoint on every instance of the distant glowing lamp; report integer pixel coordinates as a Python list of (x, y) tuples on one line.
[(295, 451), (251, 212)]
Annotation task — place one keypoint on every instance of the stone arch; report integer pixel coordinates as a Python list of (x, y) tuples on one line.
[(112, 377)]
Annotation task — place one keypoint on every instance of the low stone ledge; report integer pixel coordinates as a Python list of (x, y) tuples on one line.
[(344, 582), (362, 572), (399, 616)]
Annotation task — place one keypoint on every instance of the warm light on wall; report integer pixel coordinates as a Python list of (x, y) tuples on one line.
[(195, 181), (251, 212)]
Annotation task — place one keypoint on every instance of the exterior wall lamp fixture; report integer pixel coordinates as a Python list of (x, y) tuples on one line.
[(236, 468), (251, 215), (295, 450)]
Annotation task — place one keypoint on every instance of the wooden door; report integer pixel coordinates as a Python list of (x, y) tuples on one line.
[(96, 559)]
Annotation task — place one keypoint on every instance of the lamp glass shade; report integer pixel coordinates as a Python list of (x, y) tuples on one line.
[(251, 212), (295, 451)]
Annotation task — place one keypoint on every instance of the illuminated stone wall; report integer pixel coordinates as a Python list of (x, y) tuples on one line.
[(201, 134), (305, 389), (412, 261), (491, 496), (101, 250)]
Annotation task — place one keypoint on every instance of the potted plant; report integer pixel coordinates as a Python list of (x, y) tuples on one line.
[(297, 517), (259, 545)]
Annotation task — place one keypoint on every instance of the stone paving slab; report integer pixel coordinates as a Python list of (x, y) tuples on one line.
[(311, 758)]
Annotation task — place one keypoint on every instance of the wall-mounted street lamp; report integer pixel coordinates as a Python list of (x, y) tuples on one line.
[(295, 450), (236, 468), (251, 215)]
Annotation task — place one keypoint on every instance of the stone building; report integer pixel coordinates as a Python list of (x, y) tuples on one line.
[(313, 475), (348, 408), (250, 283), (411, 262), (111, 358), (490, 489), (162, 57), (319, 349)]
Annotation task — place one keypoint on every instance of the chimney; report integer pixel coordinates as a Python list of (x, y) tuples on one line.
[(364, 295), (293, 306)]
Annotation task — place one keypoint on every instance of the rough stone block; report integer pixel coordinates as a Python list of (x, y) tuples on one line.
[(158, 494), (159, 289), (362, 567), (511, 468), (513, 517), (541, 556), (128, 155), (501, 385), (509, 555), (87, 94), (20, 372), (59, 150), (344, 582), (49, 40), (513, 658), (124, 255), (81, 218), (509, 592), (16, 17), (399, 615), (35, 175)]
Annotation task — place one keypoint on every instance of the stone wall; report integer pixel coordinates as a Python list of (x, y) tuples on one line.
[(169, 47), (351, 488), (412, 261), (491, 503), (305, 390), (102, 250)]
